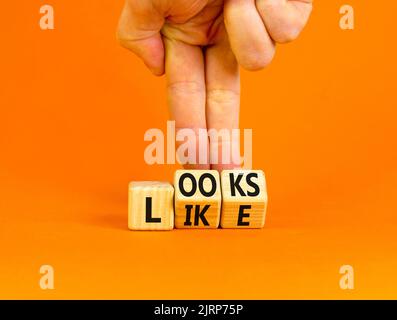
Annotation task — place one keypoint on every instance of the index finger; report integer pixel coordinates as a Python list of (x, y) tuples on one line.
[(186, 94)]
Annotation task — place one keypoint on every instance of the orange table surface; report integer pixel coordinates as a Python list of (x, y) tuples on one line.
[(73, 111)]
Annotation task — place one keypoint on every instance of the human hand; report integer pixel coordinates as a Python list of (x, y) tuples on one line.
[(199, 45)]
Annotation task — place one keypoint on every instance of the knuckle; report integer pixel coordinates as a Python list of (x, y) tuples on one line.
[(121, 38), (124, 38), (186, 87), (220, 96)]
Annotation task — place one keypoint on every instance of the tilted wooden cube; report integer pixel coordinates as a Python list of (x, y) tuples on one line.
[(197, 199), (150, 206), (244, 199)]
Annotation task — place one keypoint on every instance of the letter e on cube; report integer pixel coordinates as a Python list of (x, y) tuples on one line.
[(244, 199)]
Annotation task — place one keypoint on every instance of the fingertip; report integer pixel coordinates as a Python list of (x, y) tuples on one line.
[(256, 60), (197, 167), (158, 72), (249, 39), (221, 167)]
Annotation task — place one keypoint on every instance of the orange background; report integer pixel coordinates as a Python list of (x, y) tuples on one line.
[(73, 110)]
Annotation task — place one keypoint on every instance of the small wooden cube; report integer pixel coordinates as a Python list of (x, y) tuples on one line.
[(197, 199), (150, 205), (244, 199)]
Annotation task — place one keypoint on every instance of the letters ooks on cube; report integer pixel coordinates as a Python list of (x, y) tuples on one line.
[(201, 199)]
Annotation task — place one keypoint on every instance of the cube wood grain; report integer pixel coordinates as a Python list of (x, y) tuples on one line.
[(197, 198), (244, 199), (150, 205)]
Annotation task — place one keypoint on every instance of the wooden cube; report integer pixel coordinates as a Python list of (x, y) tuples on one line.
[(197, 199), (244, 199), (150, 206)]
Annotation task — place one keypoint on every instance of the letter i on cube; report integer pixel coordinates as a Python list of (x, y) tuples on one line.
[(197, 199), (237, 199)]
